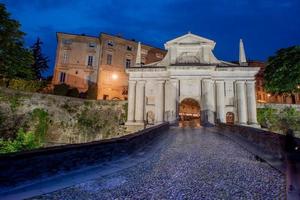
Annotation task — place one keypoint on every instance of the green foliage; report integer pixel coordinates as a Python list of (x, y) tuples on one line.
[(27, 85), (124, 115), (73, 92), (87, 103), (1, 118), (15, 60), (14, 102), (267, 117), (282, 74), (96, 120), (289, 118), (65, 90), (92, 91), (61, 89), (24, 141), (41, 127), (40, 63)]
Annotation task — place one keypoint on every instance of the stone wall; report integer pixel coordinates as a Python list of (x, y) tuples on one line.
[(70, 120), (20, 167), (278, 106), (277, 150)]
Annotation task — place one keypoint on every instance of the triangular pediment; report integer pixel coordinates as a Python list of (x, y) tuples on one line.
[(190, 39)]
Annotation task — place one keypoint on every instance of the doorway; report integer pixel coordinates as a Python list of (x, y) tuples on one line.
[(189, 113)]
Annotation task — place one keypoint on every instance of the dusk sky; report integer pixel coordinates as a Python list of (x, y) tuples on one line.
[(264, 25)]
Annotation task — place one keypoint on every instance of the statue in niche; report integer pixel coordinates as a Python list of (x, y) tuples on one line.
[(150, 117)]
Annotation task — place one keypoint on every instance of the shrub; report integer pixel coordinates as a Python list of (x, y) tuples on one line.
[(73, 92), (289, 118), (61, 89), (124, 115), (92, 91), (27, 85), (23, 141), (267, 117), (41, 127)]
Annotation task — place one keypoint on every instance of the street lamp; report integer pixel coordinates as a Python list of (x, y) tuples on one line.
[(114, 76)]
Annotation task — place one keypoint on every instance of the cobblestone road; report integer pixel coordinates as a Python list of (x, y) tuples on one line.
[(192, 164)]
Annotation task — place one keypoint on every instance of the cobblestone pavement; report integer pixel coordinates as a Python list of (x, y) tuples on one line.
[(193, 164)]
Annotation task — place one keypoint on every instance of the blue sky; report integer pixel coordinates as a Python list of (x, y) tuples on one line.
[(264, 25)]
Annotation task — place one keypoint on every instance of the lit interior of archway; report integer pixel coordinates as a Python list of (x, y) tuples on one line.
[(189, 113)]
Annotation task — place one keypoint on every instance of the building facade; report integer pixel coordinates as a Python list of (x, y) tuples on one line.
[(86, 61), (189, 72), (77, 60)]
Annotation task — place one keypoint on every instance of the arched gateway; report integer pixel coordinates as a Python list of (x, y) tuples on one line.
[(189, 113), (191, 71)]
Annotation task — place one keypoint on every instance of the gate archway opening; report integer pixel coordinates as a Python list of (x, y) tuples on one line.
[(189, 113)]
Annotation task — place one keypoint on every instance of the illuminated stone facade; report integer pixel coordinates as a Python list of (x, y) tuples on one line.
[(191, 71), (84, 61)]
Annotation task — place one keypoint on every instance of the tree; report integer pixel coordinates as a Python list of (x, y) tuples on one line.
[(15, 59), (282, 74), (40, 62)]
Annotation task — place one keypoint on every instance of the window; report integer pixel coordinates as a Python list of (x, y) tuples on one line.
[(65, 57), (90, 61), (62, 77), (110, 43), (66, 41), (76, 72), (92, 44), (128, 63), (109, 59), (129, 48)]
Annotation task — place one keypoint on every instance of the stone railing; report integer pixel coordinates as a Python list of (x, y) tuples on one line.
[(17, 168), (272, 142)]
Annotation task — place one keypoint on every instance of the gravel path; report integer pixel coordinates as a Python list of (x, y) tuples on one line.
[(193, 164)]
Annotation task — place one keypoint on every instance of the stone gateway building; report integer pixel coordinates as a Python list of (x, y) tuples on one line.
[(190, 75)]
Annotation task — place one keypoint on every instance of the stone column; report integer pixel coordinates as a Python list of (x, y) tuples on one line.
[(174, 99), (159, 102), (207, 113), (241, 101), (251, 102), (220, 101), (131, 100), (140, 101)]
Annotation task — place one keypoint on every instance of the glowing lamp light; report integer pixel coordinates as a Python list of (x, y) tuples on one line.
[(114, 76), (298, 86), (269, 95)]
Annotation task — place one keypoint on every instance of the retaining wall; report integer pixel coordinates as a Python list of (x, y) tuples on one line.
[(20, 167), (278, 105), (270, 147)]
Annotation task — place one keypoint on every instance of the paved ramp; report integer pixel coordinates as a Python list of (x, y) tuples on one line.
[(184, 164)]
